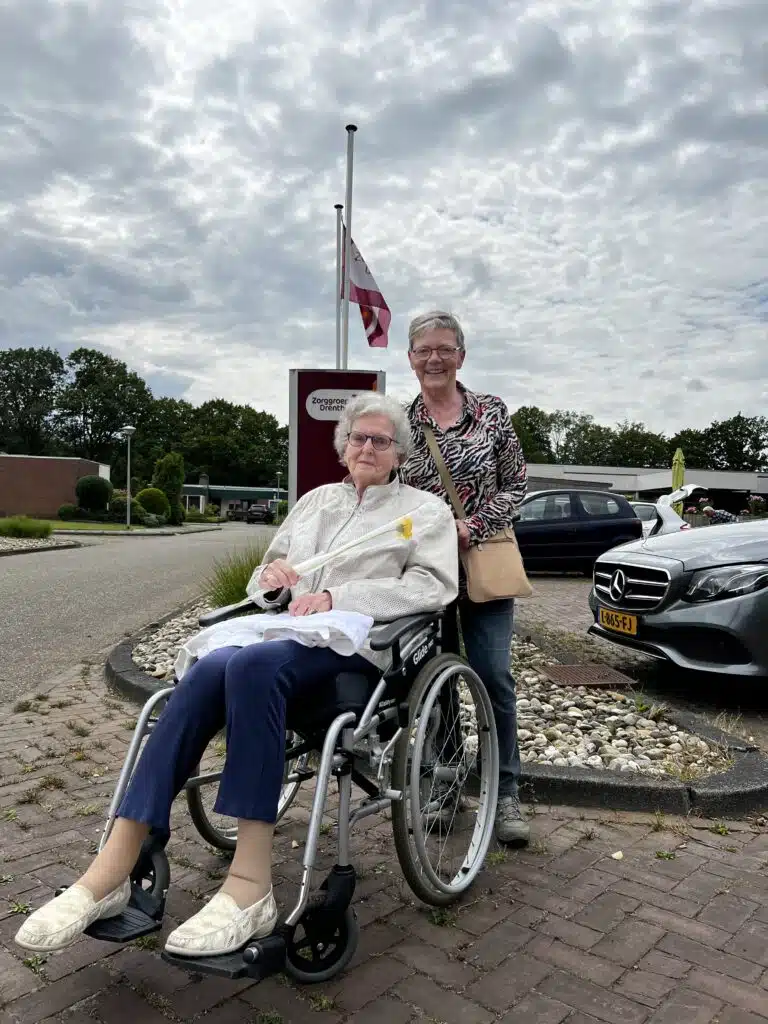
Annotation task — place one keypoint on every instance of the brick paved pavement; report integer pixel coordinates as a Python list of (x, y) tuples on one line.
[(561, 932)]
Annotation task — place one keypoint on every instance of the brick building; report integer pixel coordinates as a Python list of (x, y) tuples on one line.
[(38, 485)]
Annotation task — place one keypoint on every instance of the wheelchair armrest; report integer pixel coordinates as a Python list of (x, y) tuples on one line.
[(387, 634), (229, 611)]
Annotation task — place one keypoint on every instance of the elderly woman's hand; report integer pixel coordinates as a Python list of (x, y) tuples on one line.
[(309, 603), (278, 575)]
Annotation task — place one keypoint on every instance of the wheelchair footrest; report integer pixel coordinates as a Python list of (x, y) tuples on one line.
[(260, 959), (130, 925)]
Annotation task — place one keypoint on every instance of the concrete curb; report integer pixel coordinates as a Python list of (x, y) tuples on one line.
[(35, 551), (183, 532), (743, 789)]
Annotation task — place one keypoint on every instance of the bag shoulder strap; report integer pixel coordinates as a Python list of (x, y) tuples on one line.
[(445, 476)]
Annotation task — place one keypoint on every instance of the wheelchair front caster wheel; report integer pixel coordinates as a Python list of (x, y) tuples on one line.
[(152, 872), (317, 953)]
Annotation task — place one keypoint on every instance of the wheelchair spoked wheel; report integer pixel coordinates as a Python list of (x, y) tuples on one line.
[(446, 763), (316, 953), (217, 829)]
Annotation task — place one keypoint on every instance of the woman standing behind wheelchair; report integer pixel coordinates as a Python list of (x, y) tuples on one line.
[(480, 451), (246, 688)]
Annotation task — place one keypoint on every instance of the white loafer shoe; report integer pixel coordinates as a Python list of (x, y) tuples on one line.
[(222, 927), (63, 919)]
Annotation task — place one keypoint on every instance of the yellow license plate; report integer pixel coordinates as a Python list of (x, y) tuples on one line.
[(619, 622)]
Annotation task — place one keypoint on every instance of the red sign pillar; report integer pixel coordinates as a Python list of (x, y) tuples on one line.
[(316, 401)]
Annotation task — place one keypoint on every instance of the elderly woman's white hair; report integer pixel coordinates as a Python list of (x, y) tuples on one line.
[(435, 320), (372, 404)]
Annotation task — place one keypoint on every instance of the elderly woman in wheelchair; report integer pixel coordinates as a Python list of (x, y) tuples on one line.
[(412, 728)]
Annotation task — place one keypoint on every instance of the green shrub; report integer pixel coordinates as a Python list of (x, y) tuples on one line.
[(230, 575), (193, 516), (169, 478), (118, 508), (93, 493), (21, 526), (154, 500), (153, 521), (68, 512)]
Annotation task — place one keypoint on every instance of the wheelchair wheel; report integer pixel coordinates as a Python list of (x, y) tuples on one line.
[(315, 954), (216, 829), (446, 763), (152, 872)]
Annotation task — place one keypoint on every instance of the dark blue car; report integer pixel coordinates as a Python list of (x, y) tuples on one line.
[(566, 530)]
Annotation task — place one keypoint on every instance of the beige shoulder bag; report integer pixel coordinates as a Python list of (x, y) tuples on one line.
[(494, 567)]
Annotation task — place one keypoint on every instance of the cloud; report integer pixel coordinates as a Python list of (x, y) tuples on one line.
[(583, 183)]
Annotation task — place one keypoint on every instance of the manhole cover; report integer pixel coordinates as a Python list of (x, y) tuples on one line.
[(585, 675)]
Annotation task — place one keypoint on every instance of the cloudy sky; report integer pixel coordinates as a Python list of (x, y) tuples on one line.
[(584, 182)]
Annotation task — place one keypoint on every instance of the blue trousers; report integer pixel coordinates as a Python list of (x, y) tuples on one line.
[(487, 633), (247, 690)]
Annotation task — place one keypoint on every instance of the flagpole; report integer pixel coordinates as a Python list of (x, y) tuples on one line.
[(351, 129), (338, 207)]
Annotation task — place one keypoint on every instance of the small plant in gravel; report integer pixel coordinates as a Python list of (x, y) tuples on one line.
[(18, 907), (52, 782), (322, 1004), (27, 769), (147, 942), (35, 963), (78, 728), (441, 917), (659, 822), (720, 829), (130, 725), (539, 847), (42, 696), (21, 706), (665, 854), (6, 879), (496, 857), (268, 1017), (11, 814), (87, 810), (589, 834), (79, 755), (61, 704)]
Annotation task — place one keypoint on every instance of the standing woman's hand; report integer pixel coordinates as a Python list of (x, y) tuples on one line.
[(463, 532)]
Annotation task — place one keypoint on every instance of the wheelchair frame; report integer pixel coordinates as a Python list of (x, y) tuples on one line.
[(352, 751)]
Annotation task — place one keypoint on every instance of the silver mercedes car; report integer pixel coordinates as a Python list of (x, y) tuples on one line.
[(697, 598)]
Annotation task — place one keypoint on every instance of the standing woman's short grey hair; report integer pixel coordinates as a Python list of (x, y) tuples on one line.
[(373, 404), (436, 320)]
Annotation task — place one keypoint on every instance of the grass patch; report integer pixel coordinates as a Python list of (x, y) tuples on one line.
[(25, 528), (147, 942), (35, 963), (11, 814), (665, 855), (21, 706), (20, 908), (321, 1003), (79, 524), (441, 917), (497, 857), (720, 829), (229, 576), (87, 810), (78, 728)]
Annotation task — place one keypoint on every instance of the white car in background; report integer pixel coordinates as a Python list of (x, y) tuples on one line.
[(660, 518)]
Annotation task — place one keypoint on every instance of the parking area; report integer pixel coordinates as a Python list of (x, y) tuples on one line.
[(557, 617)]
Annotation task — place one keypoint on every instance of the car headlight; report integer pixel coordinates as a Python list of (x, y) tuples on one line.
[(728, 581)]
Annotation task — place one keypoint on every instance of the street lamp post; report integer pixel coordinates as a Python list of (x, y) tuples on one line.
[(128, 433)]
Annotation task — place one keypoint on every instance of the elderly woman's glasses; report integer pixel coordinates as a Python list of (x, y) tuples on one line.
[(380, 442), (423, 352)]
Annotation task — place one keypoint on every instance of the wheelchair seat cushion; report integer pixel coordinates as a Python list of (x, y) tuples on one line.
[(348, 691)]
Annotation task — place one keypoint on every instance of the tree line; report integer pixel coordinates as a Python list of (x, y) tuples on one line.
[(76, 406), (574, 439)]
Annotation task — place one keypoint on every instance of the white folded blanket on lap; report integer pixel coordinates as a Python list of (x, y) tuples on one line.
[(343, 632)]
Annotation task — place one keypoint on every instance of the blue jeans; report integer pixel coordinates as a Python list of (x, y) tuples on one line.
[(245, 689), (487, 633)]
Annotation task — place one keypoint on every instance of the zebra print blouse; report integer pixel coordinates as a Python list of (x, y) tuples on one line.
[(483, 455)]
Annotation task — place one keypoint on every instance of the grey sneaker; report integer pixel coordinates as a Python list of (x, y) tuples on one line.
[(511, 826)]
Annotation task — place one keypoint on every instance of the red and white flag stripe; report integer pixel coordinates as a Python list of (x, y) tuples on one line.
[(365, 293)]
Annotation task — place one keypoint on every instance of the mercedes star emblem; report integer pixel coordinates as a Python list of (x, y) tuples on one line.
[(617, 586)]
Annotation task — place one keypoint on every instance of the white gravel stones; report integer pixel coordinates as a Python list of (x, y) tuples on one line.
[(20, 544), (574, 727)]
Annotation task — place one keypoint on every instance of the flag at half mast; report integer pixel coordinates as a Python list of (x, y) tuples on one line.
[(364, 292)]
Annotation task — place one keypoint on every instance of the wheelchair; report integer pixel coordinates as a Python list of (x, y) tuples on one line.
[(422, 741)]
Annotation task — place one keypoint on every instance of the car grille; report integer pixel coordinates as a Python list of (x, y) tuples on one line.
[(645, 586)]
